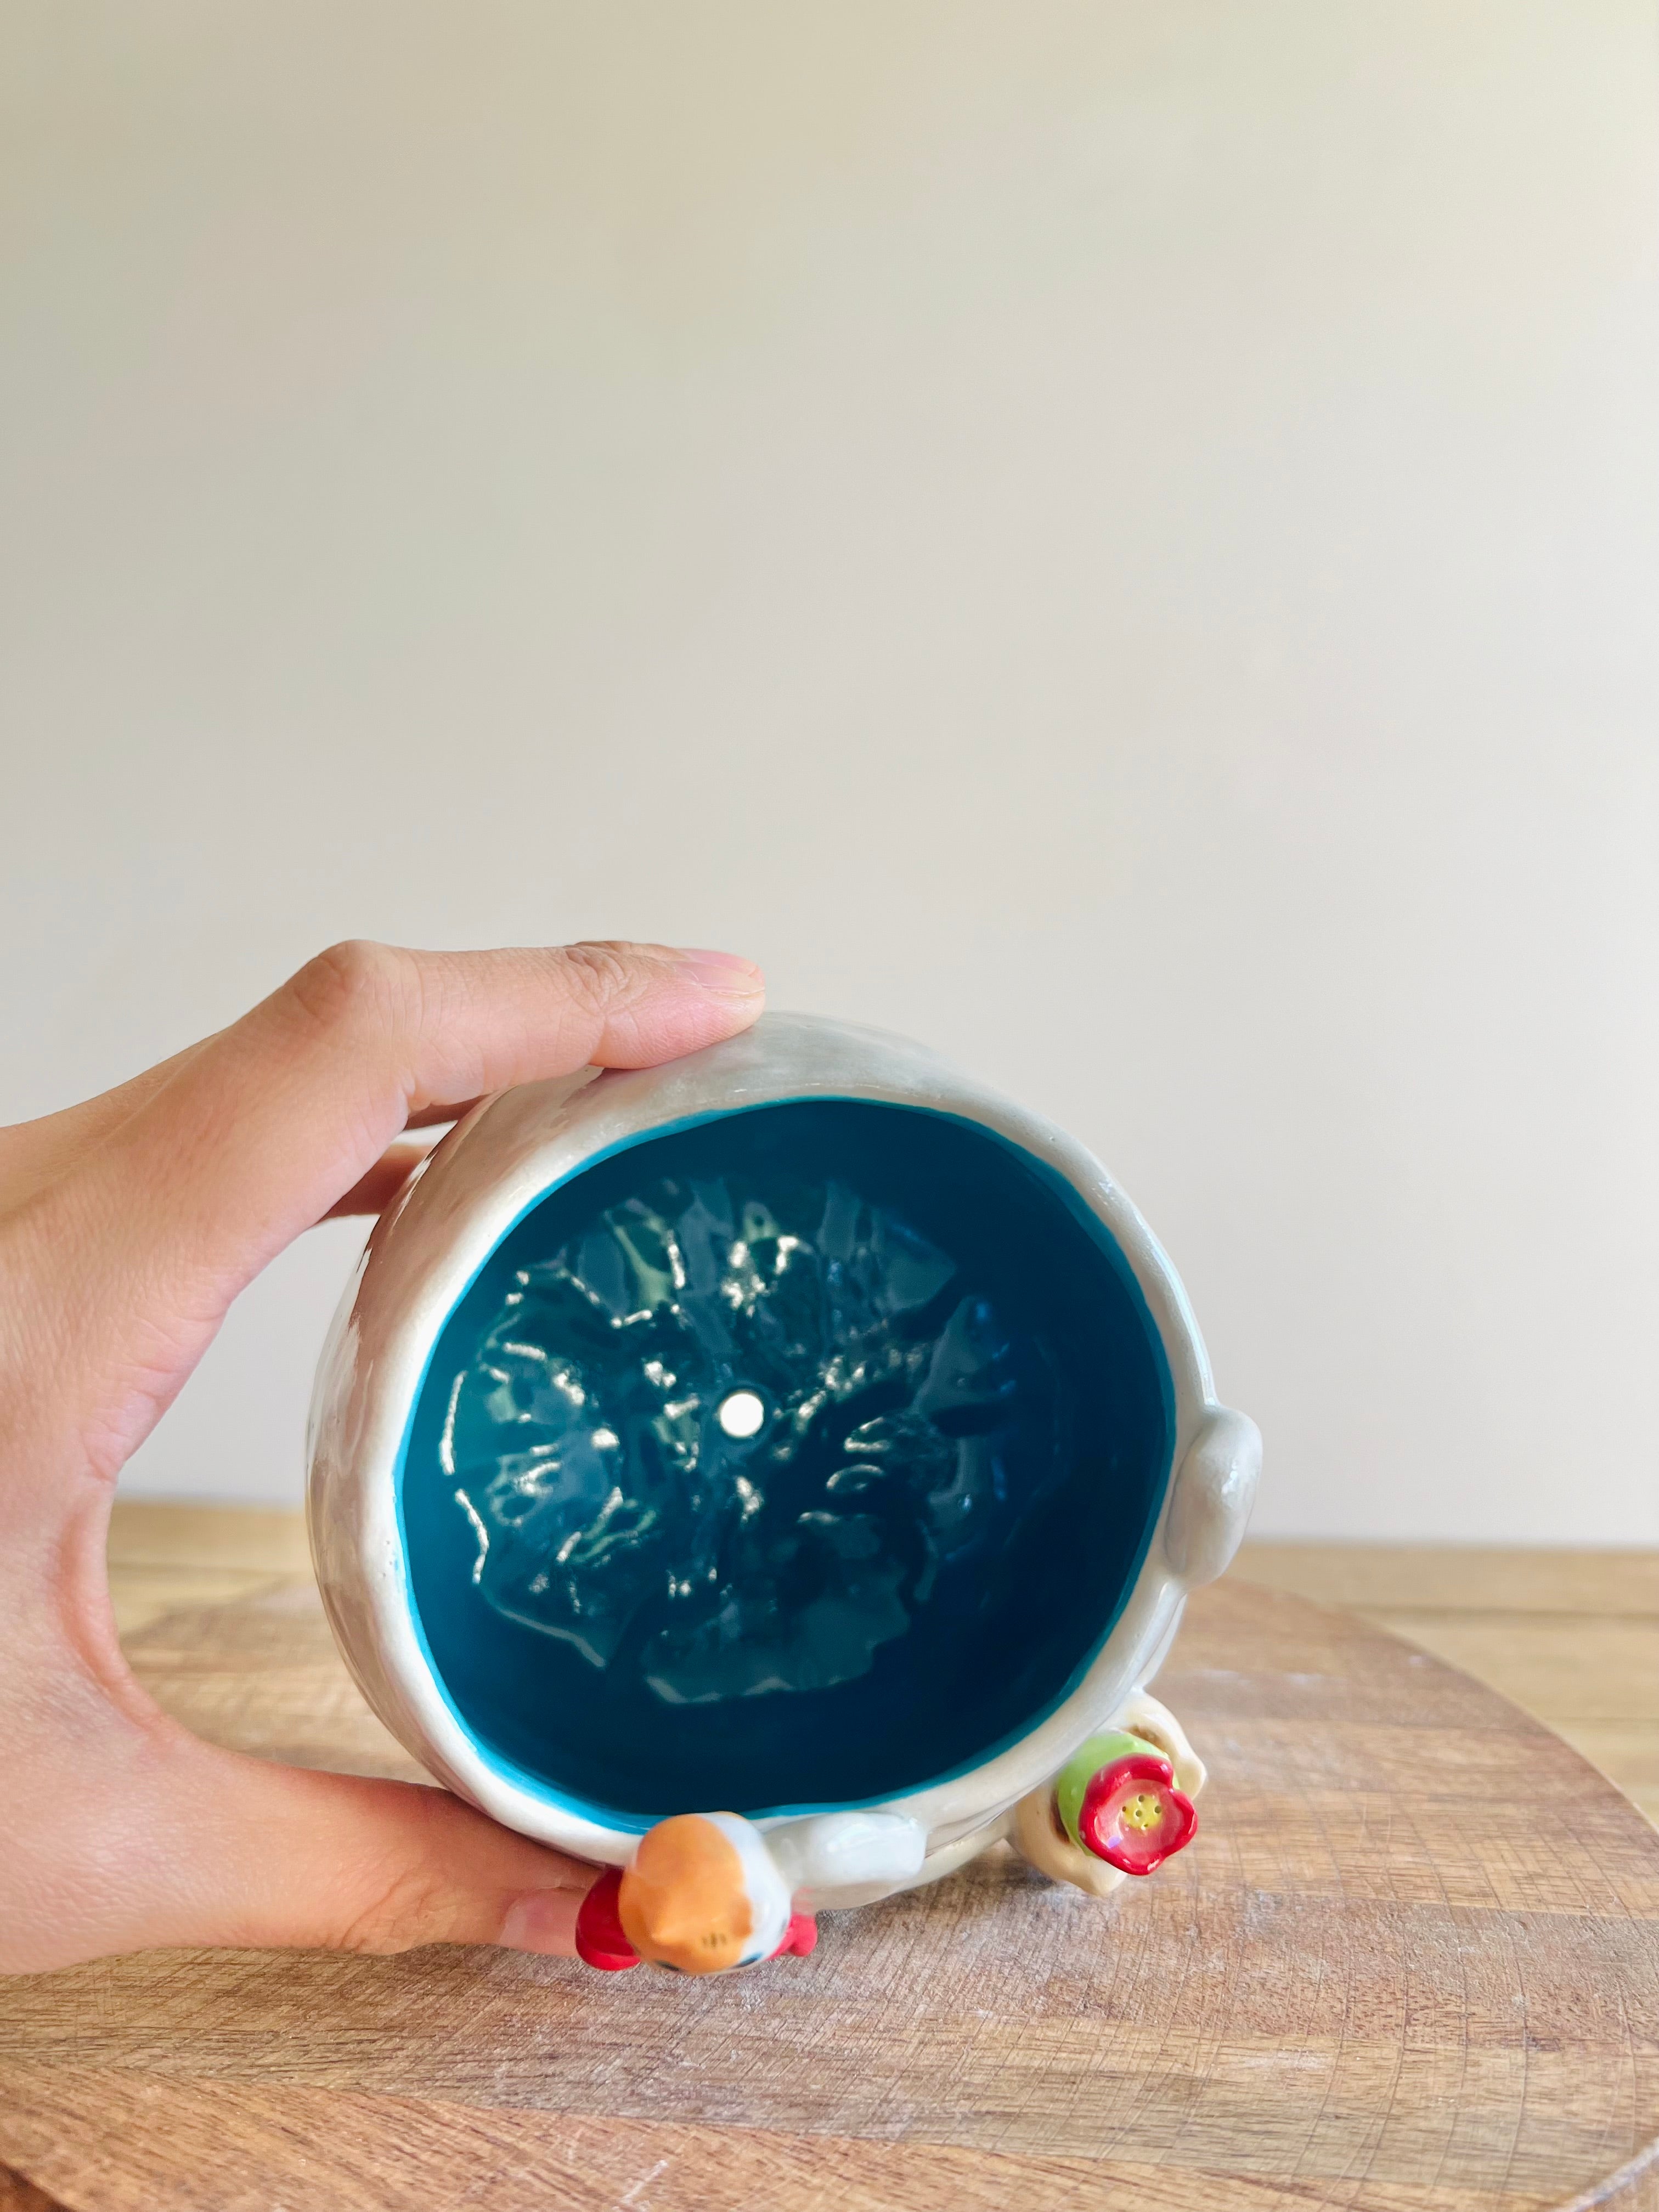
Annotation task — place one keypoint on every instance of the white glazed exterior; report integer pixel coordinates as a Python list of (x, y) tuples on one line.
[(516, 1146)]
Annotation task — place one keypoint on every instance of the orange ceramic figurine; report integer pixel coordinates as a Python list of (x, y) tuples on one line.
[(703, 1893)]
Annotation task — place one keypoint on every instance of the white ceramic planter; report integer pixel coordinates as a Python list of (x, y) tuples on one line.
[(489, 1176)]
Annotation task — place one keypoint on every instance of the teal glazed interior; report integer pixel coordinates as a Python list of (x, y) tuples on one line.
[(796, 1456)]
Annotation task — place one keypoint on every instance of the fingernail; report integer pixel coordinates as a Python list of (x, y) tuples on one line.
[(544, 1920), (725, 972)]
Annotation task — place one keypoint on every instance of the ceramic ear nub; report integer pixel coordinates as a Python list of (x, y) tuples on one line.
[(1214, 1490)]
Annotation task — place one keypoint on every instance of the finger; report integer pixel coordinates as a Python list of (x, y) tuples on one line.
[(428, 1117), (204, 1847), (263, 1128), (277, 1118), (374, 1192), (333, 1862), (33, 1151)]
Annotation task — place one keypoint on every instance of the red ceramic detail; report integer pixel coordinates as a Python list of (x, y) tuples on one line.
[(599, 1937), (1132, 1816), (800, 1936)]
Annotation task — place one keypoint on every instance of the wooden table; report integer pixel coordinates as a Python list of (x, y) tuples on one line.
[(1412, 1962)]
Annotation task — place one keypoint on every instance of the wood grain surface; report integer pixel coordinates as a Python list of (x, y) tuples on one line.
[(1571, 1636), (1412, 1961)]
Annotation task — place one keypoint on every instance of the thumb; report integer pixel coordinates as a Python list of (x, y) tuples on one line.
[(182, 1188), (333, 1862), (208, 1848)]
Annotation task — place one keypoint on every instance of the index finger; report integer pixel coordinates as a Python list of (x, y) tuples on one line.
[(263, 1128)]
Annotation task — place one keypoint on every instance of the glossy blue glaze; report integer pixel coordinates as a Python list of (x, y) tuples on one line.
[(966, 1432)]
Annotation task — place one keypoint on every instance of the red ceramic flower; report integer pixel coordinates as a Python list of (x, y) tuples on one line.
[(1132, 1816)]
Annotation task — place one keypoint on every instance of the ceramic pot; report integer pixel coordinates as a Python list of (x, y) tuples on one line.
[(769, 1474)]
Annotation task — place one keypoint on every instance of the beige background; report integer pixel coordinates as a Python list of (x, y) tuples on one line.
[(1121, 540)]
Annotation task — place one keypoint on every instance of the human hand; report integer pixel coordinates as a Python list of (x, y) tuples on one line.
[(127, 1225)]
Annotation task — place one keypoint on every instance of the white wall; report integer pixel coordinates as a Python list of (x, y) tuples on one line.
[(1120, 539)]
